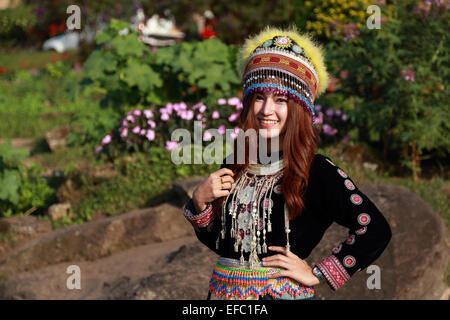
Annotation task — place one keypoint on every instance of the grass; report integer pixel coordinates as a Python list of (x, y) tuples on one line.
[(30, 59)]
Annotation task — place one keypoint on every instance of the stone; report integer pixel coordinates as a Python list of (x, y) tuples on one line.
[(185, 188), (57, 138), (24, 225), (59, 211), (99, 238)]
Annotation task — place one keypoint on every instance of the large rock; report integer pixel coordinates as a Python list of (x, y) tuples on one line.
[(412, 266), (99, 238), (57, 138), (185, 188)]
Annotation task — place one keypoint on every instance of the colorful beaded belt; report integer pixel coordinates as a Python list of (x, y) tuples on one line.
[(231, 281)]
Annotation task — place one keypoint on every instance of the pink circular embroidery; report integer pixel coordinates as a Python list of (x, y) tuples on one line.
[(349, 184), (268, 203), (363, 219), (356, 198), (361, 230), (351, 239), (342, 173), (349, 261), (337, 249), (277, 189)]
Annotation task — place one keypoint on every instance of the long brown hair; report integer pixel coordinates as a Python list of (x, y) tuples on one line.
[(299, 143)]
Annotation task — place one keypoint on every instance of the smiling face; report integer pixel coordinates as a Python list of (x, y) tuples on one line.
[(271, 111)]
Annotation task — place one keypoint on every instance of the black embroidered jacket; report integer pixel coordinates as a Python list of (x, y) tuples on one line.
[(331, 196)]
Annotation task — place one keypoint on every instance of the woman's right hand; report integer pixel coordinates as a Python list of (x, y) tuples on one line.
[(217, 184)]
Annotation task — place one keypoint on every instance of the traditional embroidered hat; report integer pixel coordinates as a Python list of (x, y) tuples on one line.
[(286, 62)]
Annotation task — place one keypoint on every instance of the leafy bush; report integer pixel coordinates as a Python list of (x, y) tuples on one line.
[(130, 74), (398, 80), (21, 190)]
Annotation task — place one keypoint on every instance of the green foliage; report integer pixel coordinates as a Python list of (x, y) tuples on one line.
[(21, 17), (144, 180), (399, 78), (21, 188), (128, 73)]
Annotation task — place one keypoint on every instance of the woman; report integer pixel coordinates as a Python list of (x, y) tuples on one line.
[(265, 219)]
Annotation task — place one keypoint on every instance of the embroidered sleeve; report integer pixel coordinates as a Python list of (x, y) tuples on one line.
[(203, 219), (369, 232)]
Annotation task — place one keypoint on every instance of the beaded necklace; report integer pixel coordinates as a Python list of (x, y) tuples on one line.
[(255, 184)]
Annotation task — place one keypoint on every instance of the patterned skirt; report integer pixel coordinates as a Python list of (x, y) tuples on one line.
[(232, 281)]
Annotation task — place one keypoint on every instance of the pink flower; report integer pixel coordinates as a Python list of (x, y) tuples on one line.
[(151, 123), (170, 145), (143, 131), (407, 74), (189, 115), (130, 118), (98, 149), (199, 116), (136, 130), (221, 129), (148, 114), (239, 106), (124, 133), (207, 136), (233, 117), (164, 117), (202, 108), (150, 135), (137, 112), (124, 122), (221, 101), (215, 115), (169, 108), (233, 101), (106, 139)]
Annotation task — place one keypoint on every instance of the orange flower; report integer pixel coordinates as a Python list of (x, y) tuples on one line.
[(54, 59), (2, 70), (193, 89)]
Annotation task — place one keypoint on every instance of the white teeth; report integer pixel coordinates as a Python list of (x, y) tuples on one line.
[(269, 121)]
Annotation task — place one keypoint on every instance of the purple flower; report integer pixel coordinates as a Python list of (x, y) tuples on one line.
[(136, 130), (170, 145), (215, 115), (337, 112), (221, 129), (124, 133), (233, 117), (221, 101), (98, 149), (346, 138), (317, 107), (328, 130), (151, 123), (407, 74), (344, 117), (329, 112), (150, 135), (351, 31), (106, 139)]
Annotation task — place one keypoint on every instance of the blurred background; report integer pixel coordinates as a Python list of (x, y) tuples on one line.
[(86, 114)]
